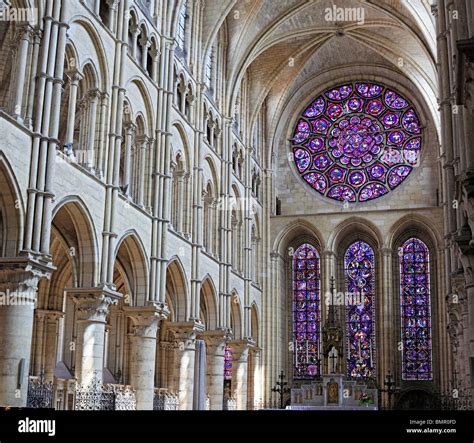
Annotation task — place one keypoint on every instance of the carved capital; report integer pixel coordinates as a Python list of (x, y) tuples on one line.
[(74, 76), (184, 334), (215, 341), (48, 315), (92, 304), (19, 280), (240, 349), (145, 320)]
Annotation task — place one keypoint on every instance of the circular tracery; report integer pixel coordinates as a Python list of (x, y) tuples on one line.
[(357, 142)]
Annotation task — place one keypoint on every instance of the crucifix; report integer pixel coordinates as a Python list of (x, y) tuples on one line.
[(280, 387)]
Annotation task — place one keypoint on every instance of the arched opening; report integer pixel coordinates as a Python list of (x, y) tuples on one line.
[(208, 305), (130, 279), (73, 248), (11, 213)]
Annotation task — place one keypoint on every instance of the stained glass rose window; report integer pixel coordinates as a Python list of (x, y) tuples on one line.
[(357, 142)]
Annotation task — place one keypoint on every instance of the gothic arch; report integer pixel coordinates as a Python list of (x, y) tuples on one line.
[(212, 171), (11, 211), (236, 315), (184, 144), (408, 227), (72, 219), (144, 104), (177, 292), (414, 225), (131, 257), (351, 229), (90, 30), (255, 324), (296, 232), (209, 303)]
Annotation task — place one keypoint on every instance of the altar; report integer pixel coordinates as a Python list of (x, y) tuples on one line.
[(327, 386), (334, 392)]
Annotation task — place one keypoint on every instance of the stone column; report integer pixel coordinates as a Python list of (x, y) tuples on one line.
[(215, 347), (25, 35), (180, 203), (184, 334), (74, 78), (328, 270), (135, 31), (144, 47), (32, 78), (51, 326), (154, 67), (240, 353), (256, 378), (129, 132), (38, 341), (92, 307), (93, 100), (141, 147), (18, 291), (143, 356)]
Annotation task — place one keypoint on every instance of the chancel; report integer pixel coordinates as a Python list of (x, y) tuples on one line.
[(230, 204), (330, 387)]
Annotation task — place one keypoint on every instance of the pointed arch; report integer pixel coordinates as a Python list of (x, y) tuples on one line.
[(72, 219), (255, 324), (236, 315), (82, 24), (12, 211), (209, 303), (295, 232), (132, 267), (414, 224), (177, 290)]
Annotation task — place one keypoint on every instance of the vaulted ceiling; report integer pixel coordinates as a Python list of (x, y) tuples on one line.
[(284, 44)]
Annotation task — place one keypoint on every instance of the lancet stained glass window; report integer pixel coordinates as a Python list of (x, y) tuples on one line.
[(228, 354), (359, 265), (306, 311), (415, 310), (357, 141)]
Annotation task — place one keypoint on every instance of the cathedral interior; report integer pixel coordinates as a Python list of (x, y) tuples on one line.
[(236, 204)]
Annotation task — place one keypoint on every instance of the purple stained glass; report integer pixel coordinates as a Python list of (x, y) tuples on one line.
[(306, 312), (415, 310), (359, 265), (357, 142), (228, 354)]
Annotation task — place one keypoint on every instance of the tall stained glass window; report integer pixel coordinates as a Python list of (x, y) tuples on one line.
[(357, 141), (359, 265), (415, 310), (306, 311), (228, 355)]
